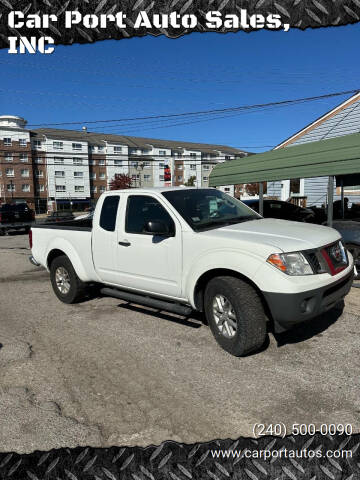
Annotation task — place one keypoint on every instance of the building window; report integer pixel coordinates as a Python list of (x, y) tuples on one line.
[(77, 161), (134, 164), (22, 142), (39, 173), (192, 154), (93, 189), (147, 177), (92, 162), (227, 189), (41, 188), (79, 188), (37, 144), (118, 163), (162, 152), (76, 146), (227, 157), (10, 187), (93, 176), (79, 174), (147, 164), (60, 188), (206, 167), (58, 145), (39, 160), (135, 177), (8, 157), (102, 162), (102, 176), (24, 158), (117, 149), (59, 161), (7, 142), (59, 173), (205, 179), (25, 187), (193, 166), (179, 178), (102, 189), (100, 148), (161, 178), (9, 172), (179, 167), (25, 172)]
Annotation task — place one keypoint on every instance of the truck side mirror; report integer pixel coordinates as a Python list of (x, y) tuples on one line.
[(156, 227)]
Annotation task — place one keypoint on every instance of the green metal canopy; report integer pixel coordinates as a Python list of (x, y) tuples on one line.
[(336, 156)]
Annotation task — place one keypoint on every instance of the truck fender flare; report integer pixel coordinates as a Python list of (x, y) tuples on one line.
[(227, 264), (65, 246)]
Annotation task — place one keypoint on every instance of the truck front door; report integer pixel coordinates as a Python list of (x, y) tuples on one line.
[(148, 262)]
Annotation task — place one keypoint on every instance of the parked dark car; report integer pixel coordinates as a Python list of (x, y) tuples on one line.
[(59, 216), (15, 216), (349, 230), (283, 210)]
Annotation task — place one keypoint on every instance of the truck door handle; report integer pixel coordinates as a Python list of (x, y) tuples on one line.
[(125, 243)]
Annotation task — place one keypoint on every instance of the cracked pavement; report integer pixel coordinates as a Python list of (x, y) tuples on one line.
[(103, 373)]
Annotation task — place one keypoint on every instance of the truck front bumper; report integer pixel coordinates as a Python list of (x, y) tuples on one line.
[(288, 309)]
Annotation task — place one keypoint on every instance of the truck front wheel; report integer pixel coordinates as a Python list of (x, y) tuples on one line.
[(66, 284), (235, 315)]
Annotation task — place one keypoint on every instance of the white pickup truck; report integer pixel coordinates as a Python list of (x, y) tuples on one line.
[(183, 249)]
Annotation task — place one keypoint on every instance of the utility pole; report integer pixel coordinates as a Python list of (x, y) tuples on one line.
[(140, 167), (12, 191)]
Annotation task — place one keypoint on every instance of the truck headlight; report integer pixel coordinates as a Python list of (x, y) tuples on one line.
[(291, 263)]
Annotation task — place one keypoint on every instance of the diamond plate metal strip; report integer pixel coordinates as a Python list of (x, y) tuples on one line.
[(176, 461), (298, 13)]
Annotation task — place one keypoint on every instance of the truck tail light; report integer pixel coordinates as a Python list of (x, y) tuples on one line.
[(30, 239)]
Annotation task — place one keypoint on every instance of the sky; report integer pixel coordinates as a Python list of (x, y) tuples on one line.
[(138, 77)]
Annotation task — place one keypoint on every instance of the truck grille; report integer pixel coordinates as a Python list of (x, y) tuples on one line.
[(329, 259)]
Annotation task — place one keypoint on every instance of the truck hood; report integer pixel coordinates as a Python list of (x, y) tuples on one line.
[(281, 234)]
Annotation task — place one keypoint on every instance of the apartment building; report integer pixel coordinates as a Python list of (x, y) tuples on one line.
[(53, 168), (16, 166)]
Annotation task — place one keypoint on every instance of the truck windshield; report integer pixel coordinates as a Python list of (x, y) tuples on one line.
[(204, 209)]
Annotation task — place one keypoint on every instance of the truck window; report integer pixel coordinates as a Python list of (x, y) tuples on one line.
[(109, 212), (142, 209)]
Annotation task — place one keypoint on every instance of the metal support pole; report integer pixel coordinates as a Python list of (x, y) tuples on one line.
[(342, 198), (261, 198), (330, 201)]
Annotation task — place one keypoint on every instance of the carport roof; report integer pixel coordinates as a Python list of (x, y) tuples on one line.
[(336, 156)]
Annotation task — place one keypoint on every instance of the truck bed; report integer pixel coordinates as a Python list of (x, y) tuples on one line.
[(81, 225)]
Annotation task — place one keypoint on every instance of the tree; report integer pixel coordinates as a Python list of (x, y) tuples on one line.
[(120, 182), (252, 189), (191, 182)]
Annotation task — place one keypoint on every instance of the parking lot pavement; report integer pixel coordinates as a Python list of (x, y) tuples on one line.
[(105, 373)]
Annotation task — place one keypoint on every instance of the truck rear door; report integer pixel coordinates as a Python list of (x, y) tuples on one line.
[(104, 238)]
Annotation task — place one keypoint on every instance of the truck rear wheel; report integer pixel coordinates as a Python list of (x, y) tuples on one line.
[(235, 315), (66, 284)]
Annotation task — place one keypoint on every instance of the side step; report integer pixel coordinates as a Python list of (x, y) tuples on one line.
[(147, 301)]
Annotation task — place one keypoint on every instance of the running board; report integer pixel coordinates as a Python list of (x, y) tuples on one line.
[(147, 301)]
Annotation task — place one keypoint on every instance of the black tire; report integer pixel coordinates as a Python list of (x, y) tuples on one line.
[(250, 333), (27, 229), (77, 288)]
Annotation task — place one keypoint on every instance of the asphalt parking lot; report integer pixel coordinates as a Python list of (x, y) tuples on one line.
[(104, 373)]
